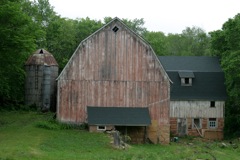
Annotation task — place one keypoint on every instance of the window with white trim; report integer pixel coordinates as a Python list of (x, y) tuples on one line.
[(101, 128), (212, 122)]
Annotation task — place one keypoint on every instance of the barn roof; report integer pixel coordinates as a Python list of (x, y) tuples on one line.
[(191, 63), (186, 74), (41, 57), (206, 73), (118, 116), (114, 20)]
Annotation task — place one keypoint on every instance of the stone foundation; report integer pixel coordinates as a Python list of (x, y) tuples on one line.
[(159, 133)]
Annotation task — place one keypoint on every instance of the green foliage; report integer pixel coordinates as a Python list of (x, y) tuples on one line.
[(42, 14), (228, 38), (107, 19), (16, 42), (225, 43), (158, 41), (52, 124), (136, 25), (218, 43), (231, 66), (191, 42), (47, 125), (232, 33), (60, 39), (85, 27)]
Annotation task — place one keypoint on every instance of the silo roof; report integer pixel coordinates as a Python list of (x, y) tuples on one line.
[(41, 57)]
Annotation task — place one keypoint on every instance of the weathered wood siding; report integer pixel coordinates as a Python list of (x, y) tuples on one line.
[(196, 109), (113, 69)]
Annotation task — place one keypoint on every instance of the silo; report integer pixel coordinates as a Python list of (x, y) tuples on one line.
[(40, 84)]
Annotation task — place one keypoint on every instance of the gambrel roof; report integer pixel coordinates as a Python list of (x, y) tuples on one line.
[(118, 26), (205, 72)]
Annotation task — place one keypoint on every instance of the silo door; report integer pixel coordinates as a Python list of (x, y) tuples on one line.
[(182, 126)]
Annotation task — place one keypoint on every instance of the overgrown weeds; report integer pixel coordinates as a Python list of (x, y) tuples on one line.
[(53, 124)]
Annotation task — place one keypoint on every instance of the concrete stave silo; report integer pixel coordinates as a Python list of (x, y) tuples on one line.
[(40, 84)]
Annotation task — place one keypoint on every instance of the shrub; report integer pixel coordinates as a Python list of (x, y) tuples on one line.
[(54, 125)]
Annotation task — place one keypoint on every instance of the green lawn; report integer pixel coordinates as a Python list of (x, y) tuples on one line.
[(32, 135)]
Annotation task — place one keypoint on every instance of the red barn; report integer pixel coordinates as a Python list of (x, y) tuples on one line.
[(115, 80)]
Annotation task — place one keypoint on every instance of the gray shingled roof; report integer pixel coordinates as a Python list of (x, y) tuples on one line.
[(190, 63), (208, 81), (186, 74), (118, 116)]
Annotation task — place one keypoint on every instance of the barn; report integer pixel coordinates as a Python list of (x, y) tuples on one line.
[(197, 94), (114, 80)]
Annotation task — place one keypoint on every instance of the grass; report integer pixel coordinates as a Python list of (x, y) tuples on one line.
[(32, 135)]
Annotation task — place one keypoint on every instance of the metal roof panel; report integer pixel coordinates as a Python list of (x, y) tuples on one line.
[(118, 116), (41, 57)]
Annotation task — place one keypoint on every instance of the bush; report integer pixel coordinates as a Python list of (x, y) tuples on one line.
[(47, 125), (54, 125)]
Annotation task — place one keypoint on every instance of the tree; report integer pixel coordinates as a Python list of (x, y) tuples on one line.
[(196, 41), (64, 35), (191, 42), (174, 45), (225, 43), (86, 27), (136, 25), (228, 38), (218, 43), (231, 67), (17, 41), (157, 40), (61, 39), (42, 14)]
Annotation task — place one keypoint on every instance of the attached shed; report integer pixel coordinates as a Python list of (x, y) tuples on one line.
[(115, 67), (198, 95), (130, 121)]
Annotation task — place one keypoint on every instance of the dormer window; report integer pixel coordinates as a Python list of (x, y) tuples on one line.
[(186, 77)]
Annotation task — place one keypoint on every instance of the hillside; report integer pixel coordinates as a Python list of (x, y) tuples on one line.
[(33, 135)]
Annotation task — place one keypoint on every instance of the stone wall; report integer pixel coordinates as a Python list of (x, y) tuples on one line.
[(159, 133)]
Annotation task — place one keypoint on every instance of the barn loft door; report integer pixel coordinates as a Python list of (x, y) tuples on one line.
[(182, 126)]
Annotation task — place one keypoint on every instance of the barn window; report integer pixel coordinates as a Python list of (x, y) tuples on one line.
[(197, 123), (212, 104), (186, 77), (186, 81), (115, 29), (101, 128), (212, 123)]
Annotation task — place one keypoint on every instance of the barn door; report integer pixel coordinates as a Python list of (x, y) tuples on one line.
[(182, 126)]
